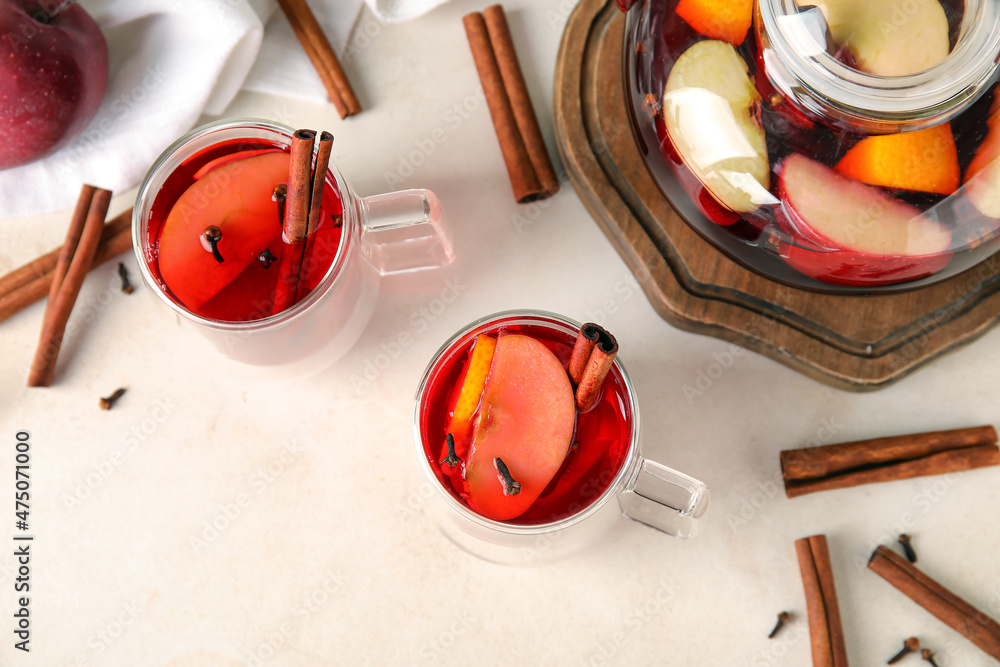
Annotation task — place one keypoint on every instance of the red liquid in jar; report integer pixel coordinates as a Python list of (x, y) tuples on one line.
[(244, 289), (791, 130), (603, 433)]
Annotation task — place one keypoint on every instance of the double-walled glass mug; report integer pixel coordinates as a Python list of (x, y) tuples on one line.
[(206, 230), (603, 476)]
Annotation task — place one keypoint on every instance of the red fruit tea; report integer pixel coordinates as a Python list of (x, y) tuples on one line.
[(230, 186), (600, 441)]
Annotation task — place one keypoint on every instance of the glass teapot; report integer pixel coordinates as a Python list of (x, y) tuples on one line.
[(843, 146)]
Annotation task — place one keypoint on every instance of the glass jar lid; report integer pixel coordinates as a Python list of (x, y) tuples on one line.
[(830, 58)]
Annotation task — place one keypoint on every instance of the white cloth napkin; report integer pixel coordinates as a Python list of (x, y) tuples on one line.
[(171, 62)]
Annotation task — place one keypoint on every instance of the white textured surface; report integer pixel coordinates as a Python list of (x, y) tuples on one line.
[(339, 513)]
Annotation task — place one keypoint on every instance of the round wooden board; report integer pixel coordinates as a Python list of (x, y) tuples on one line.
[(851, 342)]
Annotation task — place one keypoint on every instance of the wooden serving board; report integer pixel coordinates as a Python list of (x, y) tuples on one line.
[(851, 342)]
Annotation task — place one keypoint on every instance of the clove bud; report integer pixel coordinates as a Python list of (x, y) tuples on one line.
[(511, 487), (123, 273), (108, 402), (451, 459)]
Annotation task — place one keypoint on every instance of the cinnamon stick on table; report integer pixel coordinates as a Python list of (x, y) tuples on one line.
[(58, 310), (977, 627), (887, 459), (826, 634), (322, 55), (528, 165), (30, 283)]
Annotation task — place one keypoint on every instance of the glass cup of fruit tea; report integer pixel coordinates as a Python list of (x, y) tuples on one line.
[(843, 146), (234, 234), (527, 428)]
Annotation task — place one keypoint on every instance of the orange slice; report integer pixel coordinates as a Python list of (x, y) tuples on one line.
[(924, 160), (475, 382), (728, 20)]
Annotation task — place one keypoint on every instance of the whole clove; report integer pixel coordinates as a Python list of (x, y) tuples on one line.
[(123, 273), (451, 459), (108, 402), (210, 241), (909, 646), (511, 487), (911, 555), (782, 619)]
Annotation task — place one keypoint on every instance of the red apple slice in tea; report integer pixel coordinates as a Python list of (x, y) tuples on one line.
[(888, 38), (855, 234), (709, 110), (236, 198), (526, 419)]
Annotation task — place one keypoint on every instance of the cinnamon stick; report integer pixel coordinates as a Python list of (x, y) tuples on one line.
[(57, 311), (72, 238), (585, 342), (520, 102), (321, 54), (296, 224), (888, 459), (952, 610), (323, 151), (602, 357), (826, 634), (529, 168), (30, 283)]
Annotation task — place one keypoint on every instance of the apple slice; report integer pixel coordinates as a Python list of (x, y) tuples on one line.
[(236, 198), (982, 178), (708, 110), (526, 420), (728, 20), (840, 213), (888, 38), (854, 234), (924, 160)]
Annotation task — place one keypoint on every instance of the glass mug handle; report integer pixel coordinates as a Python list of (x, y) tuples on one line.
[(404, 231), (664, 499)]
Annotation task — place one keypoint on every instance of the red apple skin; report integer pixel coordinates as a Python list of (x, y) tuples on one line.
[(527, 417), (52, 79), (814, 257)]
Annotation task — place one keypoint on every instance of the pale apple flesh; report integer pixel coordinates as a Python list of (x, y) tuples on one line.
[(708, 111), (888, 38), (852, 233), (526, 419), (52, 79)]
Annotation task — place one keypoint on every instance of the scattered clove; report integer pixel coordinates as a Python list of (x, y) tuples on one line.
[(123, 272), (266, 258), (782, 619), (511, 487), (911, 555), (927, 655), (210, 241), (450, 460), (909, 646), (108, 402)]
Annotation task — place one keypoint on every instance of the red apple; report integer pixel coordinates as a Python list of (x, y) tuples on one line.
[(53, 74), (526, 420), (236, 198), (854, 234)]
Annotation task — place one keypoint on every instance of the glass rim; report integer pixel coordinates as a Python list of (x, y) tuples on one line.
[(140, 225), (937, 93), (631, 457)]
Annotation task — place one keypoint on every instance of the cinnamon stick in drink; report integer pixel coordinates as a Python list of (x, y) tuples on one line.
[(295, 227), (887, 459), (322, 56), (826, 634), (57, 311), (582, 349), (528, 165), (600, 348), (952, 610)]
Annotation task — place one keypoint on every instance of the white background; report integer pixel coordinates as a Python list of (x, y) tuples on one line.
[(332, 562)]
